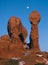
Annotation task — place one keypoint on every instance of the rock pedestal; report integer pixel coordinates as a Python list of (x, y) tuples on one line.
[(34, 37)]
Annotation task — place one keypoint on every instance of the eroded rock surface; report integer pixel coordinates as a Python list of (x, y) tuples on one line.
[(13, 46), (16, 29)]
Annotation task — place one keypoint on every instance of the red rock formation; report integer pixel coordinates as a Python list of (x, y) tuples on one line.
[(17, 34), (8, 49), (34, 37), (4, 45), (16, 29), (5, 38), (24, 33), (5, 41), (12, 45)]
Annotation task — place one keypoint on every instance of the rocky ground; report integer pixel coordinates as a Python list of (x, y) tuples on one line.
[(27, 58), (18, 54)]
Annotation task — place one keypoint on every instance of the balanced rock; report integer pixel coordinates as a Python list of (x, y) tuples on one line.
[(34, 37)]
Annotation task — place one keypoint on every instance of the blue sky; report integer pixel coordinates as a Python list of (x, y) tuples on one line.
[(19, 9)]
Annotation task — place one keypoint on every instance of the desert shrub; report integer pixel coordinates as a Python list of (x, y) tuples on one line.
[(39, 64), (12, 62)]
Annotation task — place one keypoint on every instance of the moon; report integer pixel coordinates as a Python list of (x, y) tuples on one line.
[(27, 7)]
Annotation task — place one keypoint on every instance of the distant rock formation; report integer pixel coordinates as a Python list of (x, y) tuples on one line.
[(34, 37)]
